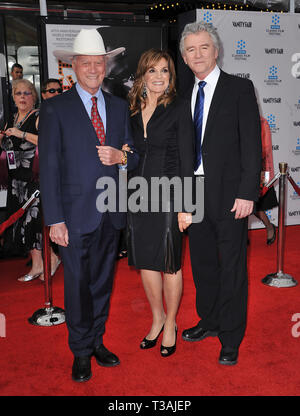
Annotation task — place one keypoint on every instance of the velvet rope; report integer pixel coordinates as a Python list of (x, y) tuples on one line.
[(18, 214), (294, 185)]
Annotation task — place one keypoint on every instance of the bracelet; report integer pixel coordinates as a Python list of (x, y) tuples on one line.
[(24, 135), (124, 158)]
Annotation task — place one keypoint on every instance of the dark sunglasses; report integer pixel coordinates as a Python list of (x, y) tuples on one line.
[(53, 90)]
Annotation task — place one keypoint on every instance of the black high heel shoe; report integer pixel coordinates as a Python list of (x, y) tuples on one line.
[(170, 350), (150, 343)]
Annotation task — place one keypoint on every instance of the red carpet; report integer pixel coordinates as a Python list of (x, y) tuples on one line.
[(37, 361)]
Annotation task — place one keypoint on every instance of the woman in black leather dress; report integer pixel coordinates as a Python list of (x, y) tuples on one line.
[(163, 135)]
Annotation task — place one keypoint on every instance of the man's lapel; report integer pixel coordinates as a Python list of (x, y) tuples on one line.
[(219, 94), (109, 119)]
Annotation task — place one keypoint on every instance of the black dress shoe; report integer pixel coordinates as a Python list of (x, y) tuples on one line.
[(105, 357), (81, 370), (228, 357), (197, 333), (273, 238), (150, 343)]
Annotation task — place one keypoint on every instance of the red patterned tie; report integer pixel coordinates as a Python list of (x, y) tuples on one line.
[(97, 122)]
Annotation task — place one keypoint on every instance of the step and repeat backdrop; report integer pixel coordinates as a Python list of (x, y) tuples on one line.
[(265, 47)]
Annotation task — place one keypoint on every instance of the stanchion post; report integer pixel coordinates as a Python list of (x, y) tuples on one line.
[(281, 216), (50, 315), (280, 279), (47, 267)]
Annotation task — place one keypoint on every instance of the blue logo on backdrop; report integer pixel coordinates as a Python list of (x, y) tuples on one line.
[(296, 151), (207, 17), (241, 45), (273, 72), (269, 214), (240, 51), (275, 28), (275, 22), (272, 123), (273, 76)]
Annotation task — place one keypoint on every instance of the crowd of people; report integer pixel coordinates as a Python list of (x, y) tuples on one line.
[(209, 134)]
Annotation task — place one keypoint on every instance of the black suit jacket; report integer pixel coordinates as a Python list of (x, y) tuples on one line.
[(231, 148)]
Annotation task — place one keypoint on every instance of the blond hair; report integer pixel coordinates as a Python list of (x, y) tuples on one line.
[(17, 82)]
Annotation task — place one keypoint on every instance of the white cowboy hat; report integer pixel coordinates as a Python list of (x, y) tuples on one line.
[(87, 42)]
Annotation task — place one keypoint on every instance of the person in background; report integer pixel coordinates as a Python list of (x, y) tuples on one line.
[(15, 73), (50, 88), (269, 199), (19, 141), (228, 160), (163, 134)]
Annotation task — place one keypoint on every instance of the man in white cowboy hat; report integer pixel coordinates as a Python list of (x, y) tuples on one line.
[(81, 135)]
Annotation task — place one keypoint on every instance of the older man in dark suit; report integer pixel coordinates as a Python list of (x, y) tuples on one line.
[(81, 136), (228, 159)]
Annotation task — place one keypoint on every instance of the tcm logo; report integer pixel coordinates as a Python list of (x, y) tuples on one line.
[(273, 76), (273, 72), (240, 52), (241, 47), (275, 22), (269, 214), (296, 151), (271, 118), (207, 17), (2, 326), (274, 28)]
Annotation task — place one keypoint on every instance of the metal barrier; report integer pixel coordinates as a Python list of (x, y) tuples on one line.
[(281, 279)]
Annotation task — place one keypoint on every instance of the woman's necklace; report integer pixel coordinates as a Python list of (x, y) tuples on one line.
[(18, 125)]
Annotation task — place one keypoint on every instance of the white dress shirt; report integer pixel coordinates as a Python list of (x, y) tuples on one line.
[(86, 98), (209, 89)]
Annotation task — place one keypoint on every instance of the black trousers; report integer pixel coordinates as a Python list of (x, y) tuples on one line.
[(88, 278), (218, 250)]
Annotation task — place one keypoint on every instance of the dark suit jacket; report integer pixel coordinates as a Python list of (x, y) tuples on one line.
[(231, 148), (69, 162)]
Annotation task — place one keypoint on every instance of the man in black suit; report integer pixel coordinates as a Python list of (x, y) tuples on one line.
[(81, 135), (228, 159)]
